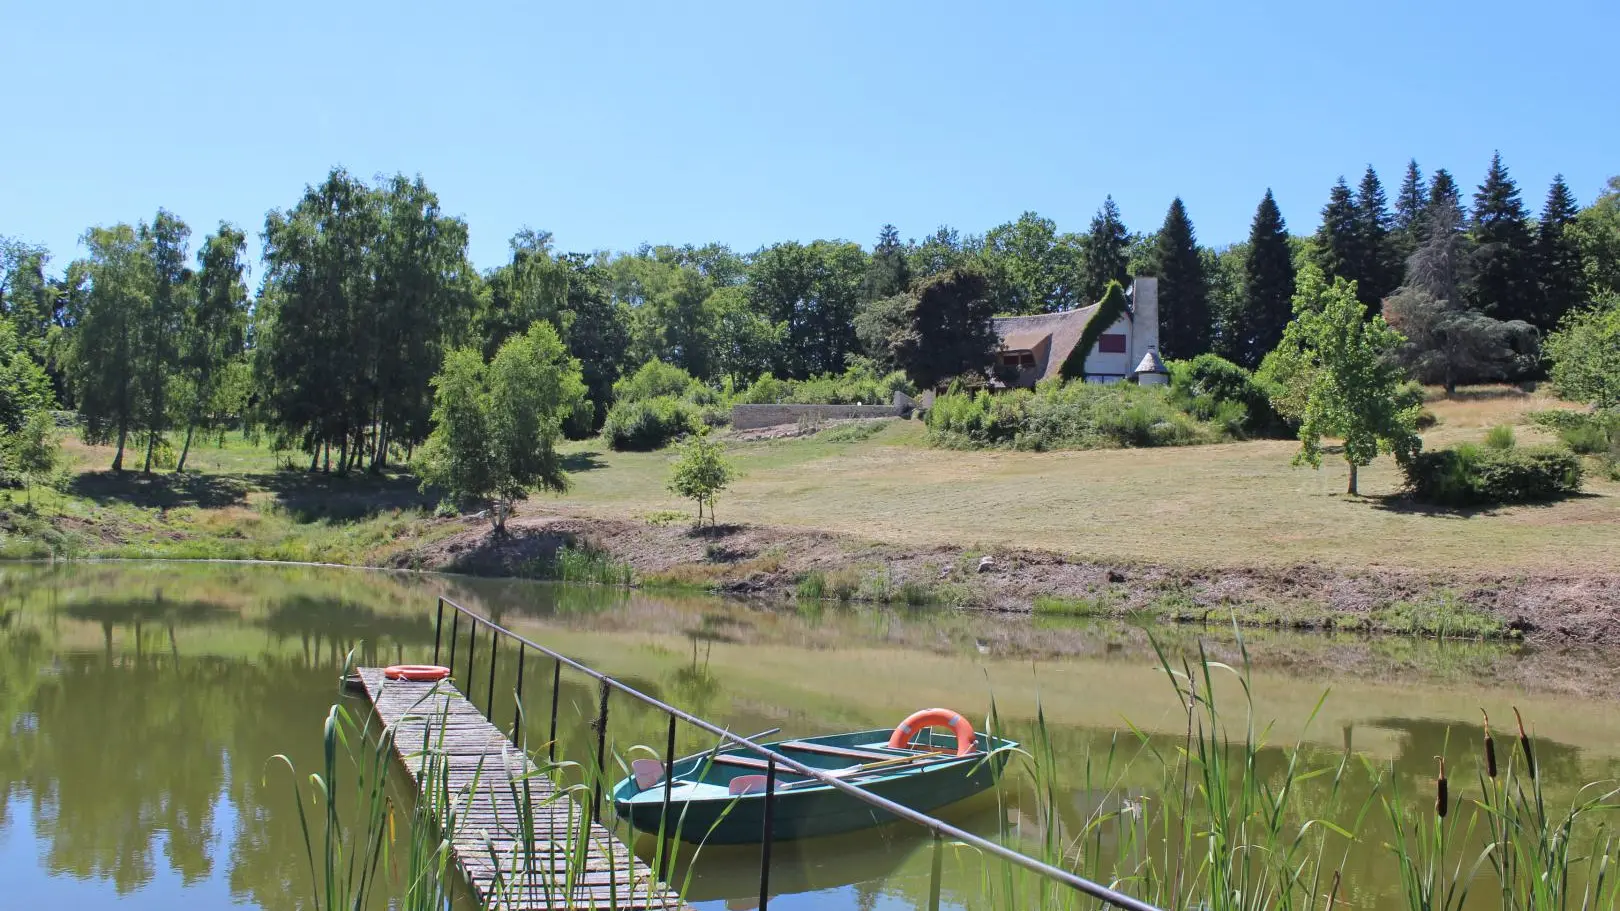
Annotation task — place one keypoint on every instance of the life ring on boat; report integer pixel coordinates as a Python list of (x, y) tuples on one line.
[(422, 673), (966, 742)]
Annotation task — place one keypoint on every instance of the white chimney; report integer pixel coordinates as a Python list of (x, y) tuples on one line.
[(1144, 317)]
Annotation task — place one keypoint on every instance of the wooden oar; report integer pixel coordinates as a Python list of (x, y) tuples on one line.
[(871, 768), (648, 772)]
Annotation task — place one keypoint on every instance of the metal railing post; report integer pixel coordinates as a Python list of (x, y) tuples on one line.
[(438, 631), (670, 839), (517, 699), (767, 833), (556, 690), (939, 870), (494, 643), (455, 627), (472, 645), (601, 753)]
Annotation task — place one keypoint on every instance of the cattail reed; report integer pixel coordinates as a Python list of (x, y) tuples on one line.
[(1490, 747), (1524, 743), (1333, 893), (1442, 798)]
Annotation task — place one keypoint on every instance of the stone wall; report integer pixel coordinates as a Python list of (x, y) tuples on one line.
[(750, 417)]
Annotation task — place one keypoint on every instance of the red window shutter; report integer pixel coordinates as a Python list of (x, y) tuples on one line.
[(1111, 343)]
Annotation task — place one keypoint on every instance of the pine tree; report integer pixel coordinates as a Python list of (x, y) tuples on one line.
[(1443, 196), (1184, 318), (1503, 282), (1107, 253), (1379, 270), (1338, 250), (888, 273), (1558, 257), (1268, 289), (1410, 204)]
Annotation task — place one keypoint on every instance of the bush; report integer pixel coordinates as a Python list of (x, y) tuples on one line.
[(1060, 415), (642, 426), (656, 379), (1212, 388), (1470, 475), (1500, 437), (860, 384), (1584, 432)]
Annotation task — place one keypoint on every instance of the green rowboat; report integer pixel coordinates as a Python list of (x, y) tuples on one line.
[(718, 797)]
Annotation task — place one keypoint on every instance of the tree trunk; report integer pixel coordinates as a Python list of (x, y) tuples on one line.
[(118, 457), (179, 466), (1353, 490), (151, 444)]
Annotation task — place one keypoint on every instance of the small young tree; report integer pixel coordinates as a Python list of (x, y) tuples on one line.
[(1585, 355), (1341, 373), (496, 426), (701, 473), (34, 451)]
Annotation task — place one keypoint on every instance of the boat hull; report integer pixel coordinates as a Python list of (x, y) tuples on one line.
[(807, 812)]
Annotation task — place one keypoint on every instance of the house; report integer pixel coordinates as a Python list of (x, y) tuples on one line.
[(1033, 348)]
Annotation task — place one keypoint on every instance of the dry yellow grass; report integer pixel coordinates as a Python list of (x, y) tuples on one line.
[(1238, 503)]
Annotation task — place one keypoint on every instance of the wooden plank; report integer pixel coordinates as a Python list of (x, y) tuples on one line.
[(841, 752), (483, 769)]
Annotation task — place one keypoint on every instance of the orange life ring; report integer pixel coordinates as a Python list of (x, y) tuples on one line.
[(425, 673), (966, 742)]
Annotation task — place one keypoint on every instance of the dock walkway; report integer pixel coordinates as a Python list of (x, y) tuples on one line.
[(482, 768)]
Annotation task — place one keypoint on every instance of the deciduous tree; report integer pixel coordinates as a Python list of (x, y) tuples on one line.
[(948, 330), (701, 473), (1341, 373), (214, 328), (1585, 355), (496, 426), (104, 361)]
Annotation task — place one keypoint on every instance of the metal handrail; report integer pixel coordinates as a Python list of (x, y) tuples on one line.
[(939, 827)]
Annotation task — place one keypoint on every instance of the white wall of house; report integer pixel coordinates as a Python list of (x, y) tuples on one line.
[(1140, 330)]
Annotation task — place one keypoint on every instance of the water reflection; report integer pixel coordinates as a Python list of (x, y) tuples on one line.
[(139, 706)]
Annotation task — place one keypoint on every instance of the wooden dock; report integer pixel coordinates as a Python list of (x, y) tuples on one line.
[(482, 765)]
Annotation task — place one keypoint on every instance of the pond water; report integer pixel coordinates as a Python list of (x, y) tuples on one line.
[(140, 706)]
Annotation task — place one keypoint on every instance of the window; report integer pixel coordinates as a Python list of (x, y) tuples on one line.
[(1018, 359), (1111, 343)]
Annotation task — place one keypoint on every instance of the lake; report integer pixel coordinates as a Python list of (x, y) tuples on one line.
[(140, 706)]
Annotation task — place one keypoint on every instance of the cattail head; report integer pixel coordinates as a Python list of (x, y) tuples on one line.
[(1442, 799), (1524, 744), (1490, 747)]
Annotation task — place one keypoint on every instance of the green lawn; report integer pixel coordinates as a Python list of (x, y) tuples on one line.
[(1238, 503)]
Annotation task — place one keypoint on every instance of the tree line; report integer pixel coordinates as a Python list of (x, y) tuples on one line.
[(365, 288)]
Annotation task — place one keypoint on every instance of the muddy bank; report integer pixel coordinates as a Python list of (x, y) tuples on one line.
[(772, 561)]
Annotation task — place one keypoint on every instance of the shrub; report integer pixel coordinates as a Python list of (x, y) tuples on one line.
[(643, 426), (1060, 415), (1500, 437), (860, 384), (656, 379), (1207, 387), (1469, 475)]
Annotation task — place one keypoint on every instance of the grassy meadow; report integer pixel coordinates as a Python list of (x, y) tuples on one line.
[(1234, 504)]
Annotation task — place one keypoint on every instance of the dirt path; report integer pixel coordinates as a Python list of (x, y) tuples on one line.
[(1568, 609)]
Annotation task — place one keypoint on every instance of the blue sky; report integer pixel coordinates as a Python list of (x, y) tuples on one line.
[(612, 123)]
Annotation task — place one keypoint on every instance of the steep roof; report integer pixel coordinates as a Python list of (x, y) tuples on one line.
[(1064, 329), (1151, 363)]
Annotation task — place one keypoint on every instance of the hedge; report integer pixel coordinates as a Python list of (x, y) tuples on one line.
[(1470, 475)]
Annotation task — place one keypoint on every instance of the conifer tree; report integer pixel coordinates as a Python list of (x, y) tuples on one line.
[(1107, 253), (1503, 281), (1410, 204), (1378, 272), (1338, 250), (888, 273), (1267, 303), (1184, 317), (1558, 257), (1443, 195)]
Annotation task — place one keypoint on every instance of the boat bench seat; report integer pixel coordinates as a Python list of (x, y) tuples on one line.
[(746, 762), (841, 752)]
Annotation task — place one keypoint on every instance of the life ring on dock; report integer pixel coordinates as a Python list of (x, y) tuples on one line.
[(966, 741), (421, 673)]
